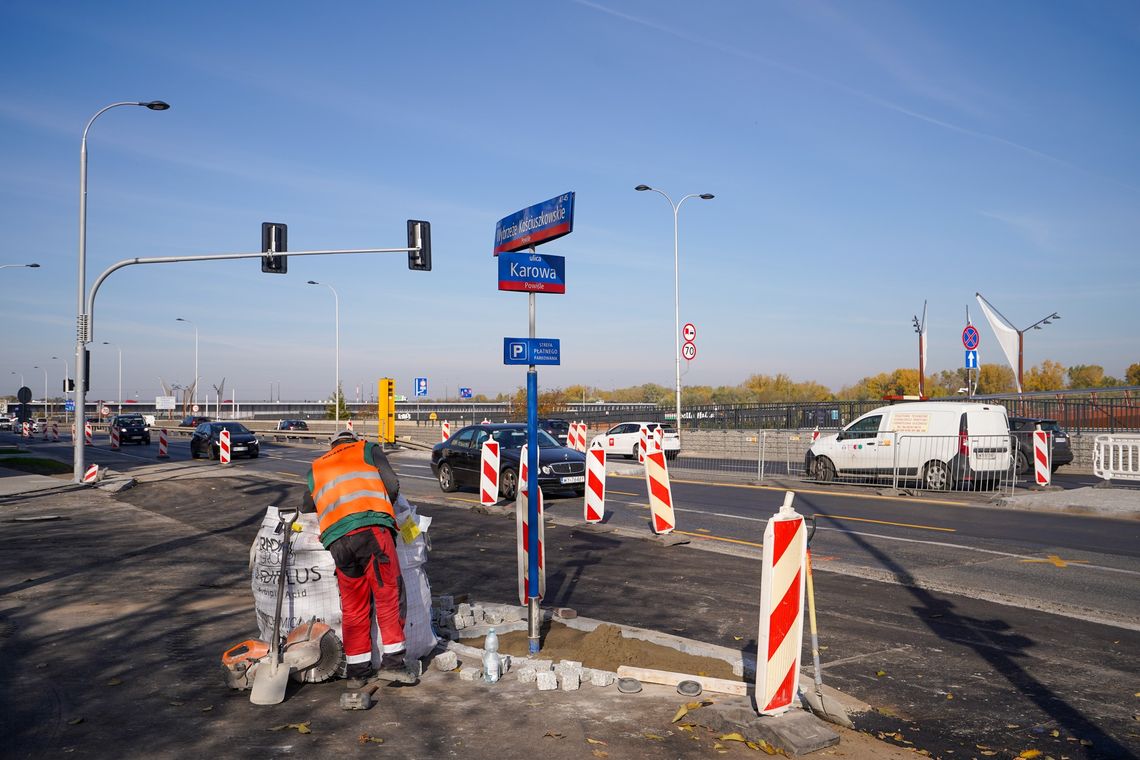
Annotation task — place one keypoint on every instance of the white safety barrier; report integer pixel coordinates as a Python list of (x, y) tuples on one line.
[(91, 475), (444, 431), (163, 446), (1042, 456), (522, 534), (659, 438), (27, 430), (1117, 457), (489, 474), (662, 519), (114, 438), (349, 426), (224, 447), (55, 431), (595, 504), (780, 640)]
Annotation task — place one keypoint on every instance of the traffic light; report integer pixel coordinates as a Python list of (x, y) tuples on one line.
[(419, 236), (274, 242)]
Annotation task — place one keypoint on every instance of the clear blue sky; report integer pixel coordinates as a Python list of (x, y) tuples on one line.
[(865, 157)]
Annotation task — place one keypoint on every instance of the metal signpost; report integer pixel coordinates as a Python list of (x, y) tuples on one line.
[(970, 340), (531, 273)]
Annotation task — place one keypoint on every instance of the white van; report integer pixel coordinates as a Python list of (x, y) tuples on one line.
[(937, 443)]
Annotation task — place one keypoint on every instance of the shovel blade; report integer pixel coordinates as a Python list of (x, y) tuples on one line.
[(269, 684)]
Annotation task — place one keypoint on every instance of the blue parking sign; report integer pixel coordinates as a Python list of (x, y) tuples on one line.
[(421, 387), (464, 393)]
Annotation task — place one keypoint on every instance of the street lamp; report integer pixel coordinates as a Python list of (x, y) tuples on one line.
[(1009, 327), (187, 321), (106, 343), (336, 304), (21, 374), (29, 266), (676, 284), (81, 317)]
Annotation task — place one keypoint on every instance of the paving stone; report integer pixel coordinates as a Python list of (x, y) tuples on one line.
[(570, 680), (470, 674), (446, 661), (459, 622), (795, 732), (512, 614), (602, 678), (463, 610), (540, 665), (547, 680), (527, 675), (490, 617), (447, 603), (479, 613)]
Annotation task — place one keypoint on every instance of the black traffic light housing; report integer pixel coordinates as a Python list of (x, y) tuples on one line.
[(274, 243), (419, 236)]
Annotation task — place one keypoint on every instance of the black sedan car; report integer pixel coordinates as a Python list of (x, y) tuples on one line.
[(455, 462), (243, 442), (131, 427)]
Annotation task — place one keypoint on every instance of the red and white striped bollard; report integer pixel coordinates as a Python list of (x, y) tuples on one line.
[(55, 431), (1042, 467), (114, 431), (780, 640), (88, 434), (489, 474), (595, 504), (162, 445), (91, 474), (224, 447), (444, 431), (642, 444), (662, 519)]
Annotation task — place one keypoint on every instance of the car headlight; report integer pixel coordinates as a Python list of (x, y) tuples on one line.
[(253, 442), (545, 469)]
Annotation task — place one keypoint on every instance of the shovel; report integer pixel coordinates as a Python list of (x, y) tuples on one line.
[(272, 677), (823, 706)]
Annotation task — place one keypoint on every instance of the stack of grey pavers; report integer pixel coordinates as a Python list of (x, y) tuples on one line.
[(477, 620)]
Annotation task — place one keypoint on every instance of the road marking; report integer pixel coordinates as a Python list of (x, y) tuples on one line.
[(886, 522), (720, 538), (288, 474), (1056, 561), (623, 493)]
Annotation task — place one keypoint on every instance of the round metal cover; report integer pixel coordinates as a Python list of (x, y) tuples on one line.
[(628, 685), (689, 689)]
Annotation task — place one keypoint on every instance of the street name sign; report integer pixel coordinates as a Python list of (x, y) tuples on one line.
[(535, 225), (532, 273), (532, 351)]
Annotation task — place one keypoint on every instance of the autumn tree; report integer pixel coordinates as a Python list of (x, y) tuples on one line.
[(1132, 374), (996, 378), (1046, 376), (1086, 376)]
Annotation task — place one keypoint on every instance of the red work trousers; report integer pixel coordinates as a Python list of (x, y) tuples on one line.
[(368, 578)]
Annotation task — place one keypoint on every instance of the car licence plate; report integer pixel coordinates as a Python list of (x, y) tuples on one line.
[(573, 479), (239, 448), (986, 455)]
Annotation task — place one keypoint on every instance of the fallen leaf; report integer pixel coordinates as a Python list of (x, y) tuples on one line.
[(600, 753), (301, 728), (982, 746), (988, 753), (552, 735), (654, 737), (365, 739), (1086, 743), (1012, 725), (175, 703), (1055, 733), (718, 745), (207, 708), (75, 721), (684, 709), (737, 638), (949, 695), (686, 727), (735, 736), (595, 741), (880, 673), (114, 682), (1030, 753)]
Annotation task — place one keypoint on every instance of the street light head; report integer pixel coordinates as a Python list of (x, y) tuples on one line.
[(179, 319), (706, 196), (313, 282), (640, 188), (156, 105), (32, 266), (1056, 316)]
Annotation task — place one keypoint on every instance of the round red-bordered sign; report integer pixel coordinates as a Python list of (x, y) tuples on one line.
[(689, 350), (689, 332), (970, 337)]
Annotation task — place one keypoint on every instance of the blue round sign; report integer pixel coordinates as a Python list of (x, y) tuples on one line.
[(970, 337)]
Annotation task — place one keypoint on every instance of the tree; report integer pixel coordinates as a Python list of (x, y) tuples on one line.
[(1046, 376), (1132, 374), (1086, 376), (996, 378), (946, 383), (331, 409)]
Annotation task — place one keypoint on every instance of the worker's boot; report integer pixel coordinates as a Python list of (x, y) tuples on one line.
[(359, 675), (394, 669)]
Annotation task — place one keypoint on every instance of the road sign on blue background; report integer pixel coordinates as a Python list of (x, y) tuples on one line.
[(421, 387), (464, 393), (972, 359), (970, 337), (532, 351), (532, 273), (535, 225), (69, 405)]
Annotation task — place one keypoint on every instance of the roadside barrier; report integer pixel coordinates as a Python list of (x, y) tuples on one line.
[(224, 447), (55, 431), (87, 434), (522, 533), (349, 426), (583, 437), (485, 421), (489, 474), (1117, 456), (114, 438), (662, 519), (162, 445), (1042, 454), (642, 444), (815, 434), (27, 430), (780, 640), (91, 475), (572, 437), (595, 504), (444, 431), (658, 438), (47, 432)]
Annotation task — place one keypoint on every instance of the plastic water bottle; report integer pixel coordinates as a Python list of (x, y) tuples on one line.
[(492, 663)]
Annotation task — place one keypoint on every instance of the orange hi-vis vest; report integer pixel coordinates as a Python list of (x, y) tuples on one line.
[(345, 485)]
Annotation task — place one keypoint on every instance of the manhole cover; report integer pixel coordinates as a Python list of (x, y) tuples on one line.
[(628, 685)]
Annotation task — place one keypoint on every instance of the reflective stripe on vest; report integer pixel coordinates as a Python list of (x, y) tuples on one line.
[(344, 485)]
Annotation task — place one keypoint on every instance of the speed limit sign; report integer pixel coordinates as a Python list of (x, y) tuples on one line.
[(194, 408), (689, 351), (105, 411)]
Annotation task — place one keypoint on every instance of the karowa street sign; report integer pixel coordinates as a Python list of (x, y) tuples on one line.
[(535, 225), (532, 273)]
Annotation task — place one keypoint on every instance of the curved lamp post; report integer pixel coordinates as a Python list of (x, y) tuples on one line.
[(81, 318), (676, 284), (336, 304)]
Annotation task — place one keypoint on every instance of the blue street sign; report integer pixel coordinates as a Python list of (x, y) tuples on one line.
[(69, 405), (532, 273), (464, 393), (972, 359), (538, 224), (421, 387), (970, 337), (532, 351)]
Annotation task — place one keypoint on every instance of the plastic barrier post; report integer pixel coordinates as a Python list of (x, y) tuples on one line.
[(349, 424), (88, 434), (642, 445), (224, 447), (780, 641), (114, 438), (162, 445), (660, 494), (1042, 467), (522, 531), (27, 430), (55, 431), (658, 438), (595, 504), (444, 431), (91, 474), (489, 474)]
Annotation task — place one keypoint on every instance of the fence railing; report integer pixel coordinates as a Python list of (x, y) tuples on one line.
[(1117, 457)]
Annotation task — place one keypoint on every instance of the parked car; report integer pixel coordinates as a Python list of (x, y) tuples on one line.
[(937, 443), (624, 439), (193, 421), (206, 440), (1022, 429), (558, 429), (290, 425), (131, 427), (456, 461), (5, 422)]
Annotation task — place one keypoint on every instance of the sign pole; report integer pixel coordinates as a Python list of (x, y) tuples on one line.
[(534, 617)]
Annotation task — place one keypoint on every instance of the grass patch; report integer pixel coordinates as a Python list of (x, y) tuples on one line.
[(35, 465)]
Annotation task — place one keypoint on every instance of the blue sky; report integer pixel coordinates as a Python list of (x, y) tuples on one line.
[(865, 157)]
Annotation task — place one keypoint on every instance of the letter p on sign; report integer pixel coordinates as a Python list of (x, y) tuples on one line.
[(518, 350)]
